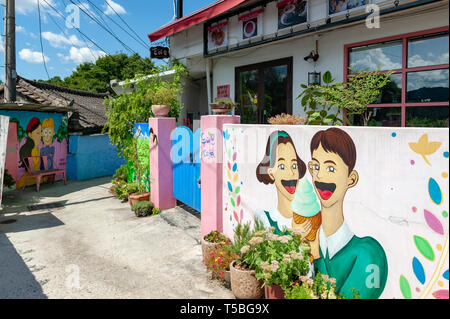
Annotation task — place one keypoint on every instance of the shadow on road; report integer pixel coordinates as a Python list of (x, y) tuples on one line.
[(16, 279)]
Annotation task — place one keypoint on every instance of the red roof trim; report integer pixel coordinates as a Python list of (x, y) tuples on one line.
[(194, 18)]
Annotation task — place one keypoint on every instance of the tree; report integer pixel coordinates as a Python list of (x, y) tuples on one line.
[(95, 77)]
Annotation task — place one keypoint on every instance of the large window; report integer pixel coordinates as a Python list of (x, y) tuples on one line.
[(418, 94)]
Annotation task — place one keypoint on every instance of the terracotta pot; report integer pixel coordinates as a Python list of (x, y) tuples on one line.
[(220, 108), (244, 284), (160, 110), (134, 198), (274, 292)]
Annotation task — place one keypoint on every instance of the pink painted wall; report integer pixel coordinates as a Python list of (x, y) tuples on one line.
[(212, 168)]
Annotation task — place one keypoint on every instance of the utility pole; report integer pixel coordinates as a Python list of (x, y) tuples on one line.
[(10, 51)]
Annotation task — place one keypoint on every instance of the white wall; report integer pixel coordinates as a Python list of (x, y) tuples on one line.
[(388, 203)]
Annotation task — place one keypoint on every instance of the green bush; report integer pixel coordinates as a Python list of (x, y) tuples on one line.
[(142, 209), (8, 180), (121, 173)]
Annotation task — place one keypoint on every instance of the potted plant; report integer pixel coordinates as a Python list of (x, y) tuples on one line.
[(321, 287), (162, 96), (244, 283), (132, 152), (223, 106), (211, 241), (142, 209), (218, 262), (287, 119), (279, 260)]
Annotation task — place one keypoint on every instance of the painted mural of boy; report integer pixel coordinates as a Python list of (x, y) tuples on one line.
[(48, 132), (355, 263)]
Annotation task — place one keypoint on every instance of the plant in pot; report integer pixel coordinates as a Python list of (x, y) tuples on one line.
[(163, 96), (211, 241), (279, 261), (132, 152), (222, 106), (244, 283), (218, 262), (321, 287), (142, 209), (287, 119)]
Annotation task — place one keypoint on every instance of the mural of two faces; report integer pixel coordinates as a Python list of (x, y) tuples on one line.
[(39, 134), (373, 202)]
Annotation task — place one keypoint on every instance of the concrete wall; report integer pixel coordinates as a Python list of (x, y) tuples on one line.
[(39, 134), (4, 133), (399, 201), (91, 157)]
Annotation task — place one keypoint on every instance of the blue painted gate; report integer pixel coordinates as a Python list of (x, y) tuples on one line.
[(186, 166)]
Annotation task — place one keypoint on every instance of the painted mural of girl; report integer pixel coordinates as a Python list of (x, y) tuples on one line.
[(283, 167), (30, 148)]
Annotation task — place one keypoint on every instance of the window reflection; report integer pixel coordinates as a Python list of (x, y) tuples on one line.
[(384, 56), (382, 116), (392, 92), (428, 50), (428, 86), (428, 116)]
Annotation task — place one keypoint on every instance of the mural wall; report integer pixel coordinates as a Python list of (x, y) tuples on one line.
[(373, 202), (39, 134), (141, 132), (4, 128)]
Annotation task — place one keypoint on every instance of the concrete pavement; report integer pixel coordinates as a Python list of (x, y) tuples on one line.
[(87, 244)]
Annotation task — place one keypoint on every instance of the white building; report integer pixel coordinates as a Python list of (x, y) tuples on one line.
[(254, 51)]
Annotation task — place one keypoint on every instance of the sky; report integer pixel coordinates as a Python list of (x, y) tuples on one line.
[(65, 46)]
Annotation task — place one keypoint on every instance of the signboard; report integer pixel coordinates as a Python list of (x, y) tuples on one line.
[(223, 91), (337, 6), (291, 13), (250, 27), (159, 52), (218, 36)]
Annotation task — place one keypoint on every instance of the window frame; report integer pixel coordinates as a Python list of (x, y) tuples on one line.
[(404, 70)]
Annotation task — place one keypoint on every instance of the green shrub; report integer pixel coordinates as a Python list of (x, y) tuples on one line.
[(216, 237), (121, 173), (8, 180), (156, 211), (142, 209)]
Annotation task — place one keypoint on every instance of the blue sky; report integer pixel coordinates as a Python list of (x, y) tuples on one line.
[(65, 47)]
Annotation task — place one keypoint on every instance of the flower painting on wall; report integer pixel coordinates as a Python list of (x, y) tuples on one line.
[(291, 13)]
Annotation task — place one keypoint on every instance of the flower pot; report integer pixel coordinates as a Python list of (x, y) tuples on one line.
[(220, 108), (244, 284), (274, 292), (160, 110), (208, 248), (134, 198)]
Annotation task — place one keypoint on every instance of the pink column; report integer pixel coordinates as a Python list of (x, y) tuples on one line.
[(211, 169), (161, 174)]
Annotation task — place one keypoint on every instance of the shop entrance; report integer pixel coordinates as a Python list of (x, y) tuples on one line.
[(264, 90)]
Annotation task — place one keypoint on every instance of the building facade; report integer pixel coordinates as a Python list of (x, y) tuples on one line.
[(258, 53)]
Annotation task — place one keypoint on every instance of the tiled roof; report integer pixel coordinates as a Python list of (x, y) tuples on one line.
[(88, 110)]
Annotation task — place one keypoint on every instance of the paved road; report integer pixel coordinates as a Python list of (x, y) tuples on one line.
[(87, 244)]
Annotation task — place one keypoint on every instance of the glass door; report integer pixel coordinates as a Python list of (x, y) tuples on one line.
[(264, 90)]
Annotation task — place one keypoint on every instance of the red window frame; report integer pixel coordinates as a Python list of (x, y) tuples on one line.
[(404, 70)]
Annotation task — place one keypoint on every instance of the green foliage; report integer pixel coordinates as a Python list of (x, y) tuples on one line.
[(142, 209), (63, 130), (135, 107), (156, 211), (242, 235), (143, 155), (95, 77), (322, 287), (216, 237), (8, 180), (121, 173), (122, 189), (163, 94), (318, 104)]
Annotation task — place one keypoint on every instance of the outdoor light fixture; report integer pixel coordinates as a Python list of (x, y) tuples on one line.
[(314, 78), (313, 55)]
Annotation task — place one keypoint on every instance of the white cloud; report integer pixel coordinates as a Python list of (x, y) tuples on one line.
[(20, 29), (28, 6), (33, 56), (61, 40), (113, 5), (81, 55)]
